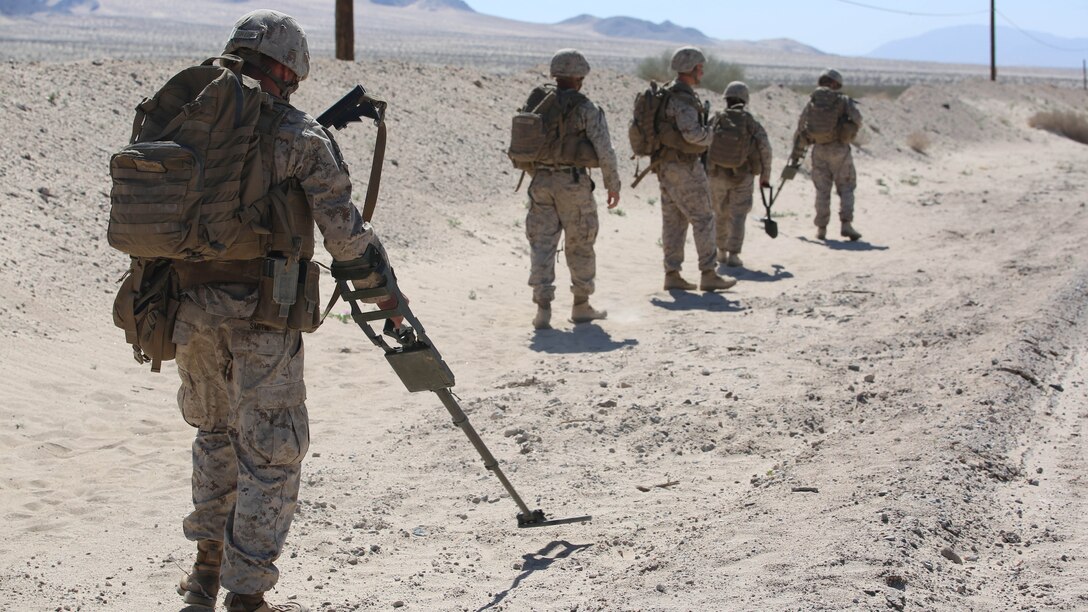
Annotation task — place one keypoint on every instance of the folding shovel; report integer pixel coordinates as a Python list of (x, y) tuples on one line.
[(769, 225), (413, 358)]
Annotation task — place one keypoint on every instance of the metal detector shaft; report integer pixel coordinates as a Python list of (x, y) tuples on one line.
[(421, 368), (460, 419)]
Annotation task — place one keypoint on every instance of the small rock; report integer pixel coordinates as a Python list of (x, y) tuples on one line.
[(951, 555), (607, 404), (398, 604), (1034, 482), (1057, 388), (1010, 537), (660, 588), (709, 446), (870, 378), (854, 367)]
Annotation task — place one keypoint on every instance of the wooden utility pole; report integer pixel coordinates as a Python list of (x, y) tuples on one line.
[(993, 40), (345, 30)]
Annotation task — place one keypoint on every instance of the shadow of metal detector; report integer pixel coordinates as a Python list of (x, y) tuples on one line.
[(411, 354)]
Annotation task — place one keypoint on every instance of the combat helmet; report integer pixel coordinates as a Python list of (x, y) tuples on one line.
[(738, 90), (685, 59), (569, 63), (275, 35), (832, 75)]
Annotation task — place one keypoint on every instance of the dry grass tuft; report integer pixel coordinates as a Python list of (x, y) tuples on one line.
[(919, 142), (1073, 126)]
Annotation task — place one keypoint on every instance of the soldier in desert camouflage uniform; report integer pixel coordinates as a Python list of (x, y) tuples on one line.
[(242, 383), (685, 191), (832, 162), (731, 189), (561, 196)]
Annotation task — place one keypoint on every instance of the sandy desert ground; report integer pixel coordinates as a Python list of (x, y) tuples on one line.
[(896, 423)]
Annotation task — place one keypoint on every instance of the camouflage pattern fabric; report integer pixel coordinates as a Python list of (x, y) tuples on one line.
[(732, 194), (242, 385), (685, 192), (559, 204), (589, 118), (685, 200), (833, 165), (242, 389), (732, 197)]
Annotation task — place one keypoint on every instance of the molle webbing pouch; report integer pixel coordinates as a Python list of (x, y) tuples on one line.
[(277, 275), (177, 187), (146, 307)]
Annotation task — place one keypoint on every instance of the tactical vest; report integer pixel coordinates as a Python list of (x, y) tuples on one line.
[(826, 113), (285, 214), (668, 131), (544, 131)]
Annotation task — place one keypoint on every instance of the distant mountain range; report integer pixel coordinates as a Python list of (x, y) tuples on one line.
[(456, 5), (28, 7), (970, 44), (629, 27)]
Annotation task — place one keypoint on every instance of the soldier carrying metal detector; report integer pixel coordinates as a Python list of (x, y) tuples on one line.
[(413, 357)]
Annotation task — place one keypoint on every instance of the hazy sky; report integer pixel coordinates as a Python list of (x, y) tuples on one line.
[(834, 26)]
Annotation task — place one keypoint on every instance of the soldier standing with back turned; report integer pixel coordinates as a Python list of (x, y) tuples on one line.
[(731, 188), (829, 122), (685, 191), (242, 382), (561, 193)]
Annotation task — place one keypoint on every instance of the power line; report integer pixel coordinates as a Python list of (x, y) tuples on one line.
[(911, 13), (1036, 39)]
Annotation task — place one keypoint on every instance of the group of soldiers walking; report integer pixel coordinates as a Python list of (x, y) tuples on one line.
[(714, 200)]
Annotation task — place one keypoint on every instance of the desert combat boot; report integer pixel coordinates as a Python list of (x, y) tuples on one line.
[(255, 603), (712, 282), (848, 231), (201, 586), (673, 280), (733, 260), (821, 232), (543, 318), (582, 312)]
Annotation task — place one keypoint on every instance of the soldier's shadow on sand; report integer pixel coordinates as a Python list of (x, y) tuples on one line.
[(535, 562), (689, 300), (845, 245), (584, 338), (757, 276)]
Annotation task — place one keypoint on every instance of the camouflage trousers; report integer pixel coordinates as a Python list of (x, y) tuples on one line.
[(833, 165), (242, 389), (560, 204), (732, 197), (685, 199)]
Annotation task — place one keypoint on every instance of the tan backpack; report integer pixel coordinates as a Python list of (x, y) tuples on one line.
[(540, 132), (734, 137), (827, 112), (190, 184)]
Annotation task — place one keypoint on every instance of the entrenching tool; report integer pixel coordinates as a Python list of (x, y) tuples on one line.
[(769, 225), (412, 356)]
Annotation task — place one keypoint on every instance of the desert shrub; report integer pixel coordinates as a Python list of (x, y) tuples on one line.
[(716, 73), (919, 142), (1069, 124)]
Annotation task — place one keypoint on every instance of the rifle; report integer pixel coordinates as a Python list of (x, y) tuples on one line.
[(412, 355), (353, 107)]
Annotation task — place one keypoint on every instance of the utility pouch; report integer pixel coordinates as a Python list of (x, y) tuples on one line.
[(146, 307), (284, 283), (288, 296)]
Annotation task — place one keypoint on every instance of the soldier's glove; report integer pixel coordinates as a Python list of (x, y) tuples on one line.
[(368, 270)]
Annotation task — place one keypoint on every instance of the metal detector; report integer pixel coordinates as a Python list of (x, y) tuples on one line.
[(421, 368), (414, 359)]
